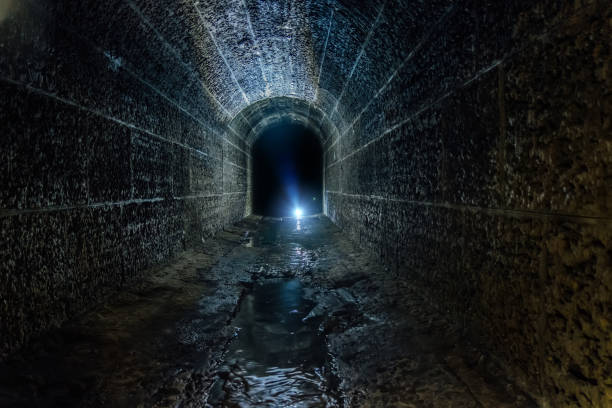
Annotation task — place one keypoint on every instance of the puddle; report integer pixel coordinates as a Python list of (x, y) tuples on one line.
[(276, 358)]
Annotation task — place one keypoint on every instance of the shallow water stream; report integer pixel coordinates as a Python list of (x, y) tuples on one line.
[(277, 359)]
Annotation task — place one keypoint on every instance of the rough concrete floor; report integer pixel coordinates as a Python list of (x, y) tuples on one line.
[(162, 344)]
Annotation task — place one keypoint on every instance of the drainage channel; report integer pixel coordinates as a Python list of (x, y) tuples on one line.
[(278, 358)]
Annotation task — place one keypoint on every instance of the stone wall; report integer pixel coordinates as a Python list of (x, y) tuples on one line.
[(480, 165), (108, 163), (467, 142)]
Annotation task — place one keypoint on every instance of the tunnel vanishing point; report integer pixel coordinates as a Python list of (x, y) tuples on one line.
[(465, 239)]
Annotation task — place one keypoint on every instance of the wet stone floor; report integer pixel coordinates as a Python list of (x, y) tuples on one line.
[(278, 357), (268, 313)]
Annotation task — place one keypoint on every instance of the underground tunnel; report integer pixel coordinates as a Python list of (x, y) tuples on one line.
[(452, 161), (287, 172)]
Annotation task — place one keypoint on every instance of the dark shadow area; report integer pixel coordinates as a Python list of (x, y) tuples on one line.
[(287, 172)]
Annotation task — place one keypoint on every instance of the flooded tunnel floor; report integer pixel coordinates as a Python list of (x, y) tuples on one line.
[(270, 312), (279, 358)]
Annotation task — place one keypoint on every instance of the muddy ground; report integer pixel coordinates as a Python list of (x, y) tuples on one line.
[(270, 312)]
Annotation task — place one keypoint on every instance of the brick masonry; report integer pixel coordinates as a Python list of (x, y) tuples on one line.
[(482, 169), (109, 165), (466, 142)]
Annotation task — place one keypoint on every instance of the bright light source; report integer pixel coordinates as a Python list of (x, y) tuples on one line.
[(298, 212)]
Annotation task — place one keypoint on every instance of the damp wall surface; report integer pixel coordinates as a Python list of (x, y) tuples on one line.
[(107, 165), (481, 168), (466, 142)]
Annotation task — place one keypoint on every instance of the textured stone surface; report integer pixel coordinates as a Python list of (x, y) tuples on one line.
[(165, 342), (108, 163), (482, 170), (466, 142)]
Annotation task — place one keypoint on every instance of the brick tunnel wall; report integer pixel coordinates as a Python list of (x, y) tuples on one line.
[(468, 146), (482, 169), (108, 164)]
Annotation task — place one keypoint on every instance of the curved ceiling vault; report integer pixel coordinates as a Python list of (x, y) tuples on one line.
[(218, 60), (253, 50), (254, 119)]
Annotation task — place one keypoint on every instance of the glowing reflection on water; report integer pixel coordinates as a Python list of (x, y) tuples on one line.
[(276, 359)]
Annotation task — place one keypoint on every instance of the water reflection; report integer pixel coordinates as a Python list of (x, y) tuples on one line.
[(276, 360)]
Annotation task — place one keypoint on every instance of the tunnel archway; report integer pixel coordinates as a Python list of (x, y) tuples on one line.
[(301, 115), (287, 171)]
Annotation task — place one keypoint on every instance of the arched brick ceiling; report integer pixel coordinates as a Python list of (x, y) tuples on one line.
[(258, 116), (213, 59)]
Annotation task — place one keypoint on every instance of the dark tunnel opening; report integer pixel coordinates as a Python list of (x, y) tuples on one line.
[(287, 171)]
